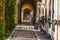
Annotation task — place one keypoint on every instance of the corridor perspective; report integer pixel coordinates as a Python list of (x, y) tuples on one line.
[(34, 20)]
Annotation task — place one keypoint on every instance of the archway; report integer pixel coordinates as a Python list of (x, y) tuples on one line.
[(27, 12), (26, 5)]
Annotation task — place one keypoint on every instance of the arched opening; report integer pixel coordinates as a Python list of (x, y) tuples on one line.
[(27, 12), (30, 7)]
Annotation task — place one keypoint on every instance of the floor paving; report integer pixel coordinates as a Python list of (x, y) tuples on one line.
[(43, 36), (28, 35)]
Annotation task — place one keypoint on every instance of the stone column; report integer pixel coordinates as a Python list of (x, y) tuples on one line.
[(16, 14), (56, 17), (38, 11), (59, 22), (47, 15)]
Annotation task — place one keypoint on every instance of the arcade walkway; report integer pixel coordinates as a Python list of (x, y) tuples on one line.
[(31, 34)]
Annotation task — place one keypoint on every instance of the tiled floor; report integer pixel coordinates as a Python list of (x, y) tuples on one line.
[(23, 35), (43, 36), (28, 35)]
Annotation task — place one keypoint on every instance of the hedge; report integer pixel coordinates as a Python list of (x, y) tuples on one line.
[(2, 20), (10, 15)]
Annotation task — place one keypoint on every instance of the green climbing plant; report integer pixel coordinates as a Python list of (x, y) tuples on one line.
[(10, 15), (2, 20)]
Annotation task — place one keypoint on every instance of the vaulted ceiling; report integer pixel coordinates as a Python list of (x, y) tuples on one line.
[(31, 2)]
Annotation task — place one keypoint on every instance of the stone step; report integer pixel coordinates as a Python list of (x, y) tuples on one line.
[(24, 34), (18, 38), (24, 27)]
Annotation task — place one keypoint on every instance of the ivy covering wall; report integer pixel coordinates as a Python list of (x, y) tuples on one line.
[(2, 20), (10, 15)]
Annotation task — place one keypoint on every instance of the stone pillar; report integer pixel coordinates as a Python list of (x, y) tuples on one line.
[(59, 22), (22, 16), (41, 10), (16, 14), (38, 11), (56, 26), (31, 15), (47, 15)]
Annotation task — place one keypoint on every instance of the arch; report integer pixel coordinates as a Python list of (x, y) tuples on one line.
[(30, 8), (21, 5)]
